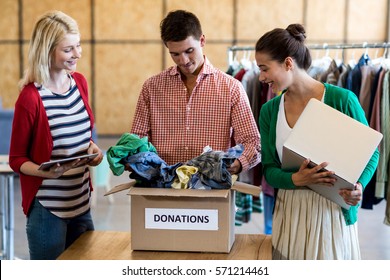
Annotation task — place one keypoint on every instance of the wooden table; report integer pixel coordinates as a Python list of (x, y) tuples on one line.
[(113, 245), (6, 209)]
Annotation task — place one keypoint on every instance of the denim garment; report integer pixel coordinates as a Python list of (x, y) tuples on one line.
[(128, 144), (213, 166), (48, 235), (196, 183), (150, 170)]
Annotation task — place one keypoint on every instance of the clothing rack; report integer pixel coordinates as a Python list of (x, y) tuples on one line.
[(385, 45)]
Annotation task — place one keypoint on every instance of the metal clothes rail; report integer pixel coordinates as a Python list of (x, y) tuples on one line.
[(385, 45)]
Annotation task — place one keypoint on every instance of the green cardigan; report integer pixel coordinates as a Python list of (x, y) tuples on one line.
[(339, 98)]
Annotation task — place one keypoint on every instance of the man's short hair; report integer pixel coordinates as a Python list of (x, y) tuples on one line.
[(179, 25)]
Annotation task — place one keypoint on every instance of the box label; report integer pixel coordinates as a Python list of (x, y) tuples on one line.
[(181, 219)]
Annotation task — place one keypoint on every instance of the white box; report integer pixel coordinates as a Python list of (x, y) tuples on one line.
[(323, 134)]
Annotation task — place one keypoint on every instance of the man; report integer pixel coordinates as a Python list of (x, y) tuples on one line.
[(193, 105)]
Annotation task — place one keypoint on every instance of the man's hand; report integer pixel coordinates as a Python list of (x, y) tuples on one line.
[(235, 167)]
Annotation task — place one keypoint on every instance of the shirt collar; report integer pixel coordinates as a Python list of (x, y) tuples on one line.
[(207, 68)]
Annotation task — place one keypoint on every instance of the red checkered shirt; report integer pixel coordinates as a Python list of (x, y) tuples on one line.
[(217, 112)]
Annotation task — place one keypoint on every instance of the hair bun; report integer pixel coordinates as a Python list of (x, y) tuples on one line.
[(297, 31)]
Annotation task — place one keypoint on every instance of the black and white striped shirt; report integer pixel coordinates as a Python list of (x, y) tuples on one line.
[(69, 195)]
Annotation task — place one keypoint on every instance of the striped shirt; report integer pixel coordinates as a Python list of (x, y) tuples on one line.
[(217, 109), (70, 127)]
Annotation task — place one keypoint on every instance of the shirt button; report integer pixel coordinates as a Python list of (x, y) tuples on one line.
[(186, 148)]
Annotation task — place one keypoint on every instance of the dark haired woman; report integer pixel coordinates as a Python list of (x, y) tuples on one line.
[(306, 225)]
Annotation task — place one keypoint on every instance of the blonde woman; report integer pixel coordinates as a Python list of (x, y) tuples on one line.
[(53, 120)]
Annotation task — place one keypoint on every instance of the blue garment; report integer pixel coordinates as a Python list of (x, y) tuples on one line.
[(212, 166), (196, 183), (48, 235), (269, 202), (150, 170), (354, 79)]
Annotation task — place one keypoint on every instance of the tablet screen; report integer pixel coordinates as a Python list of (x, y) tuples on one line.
[(48, 164)]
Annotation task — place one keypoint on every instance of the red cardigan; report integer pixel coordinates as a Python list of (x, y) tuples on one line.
[(31, 138)]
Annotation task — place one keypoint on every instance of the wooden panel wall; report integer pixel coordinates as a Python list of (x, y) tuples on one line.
[(122, 48), (255, 17), (9, 52)]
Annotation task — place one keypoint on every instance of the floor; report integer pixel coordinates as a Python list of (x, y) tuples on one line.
[(114, 215)]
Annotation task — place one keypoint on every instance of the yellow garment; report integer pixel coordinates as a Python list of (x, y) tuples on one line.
[(234, 178), (184, 174)]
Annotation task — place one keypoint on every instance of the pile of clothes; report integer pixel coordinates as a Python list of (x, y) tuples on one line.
[(207, 171)]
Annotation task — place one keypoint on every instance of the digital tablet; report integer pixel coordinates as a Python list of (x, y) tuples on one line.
[(48, 164)]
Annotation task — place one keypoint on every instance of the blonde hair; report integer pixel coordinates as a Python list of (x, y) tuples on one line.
[(48, 31)]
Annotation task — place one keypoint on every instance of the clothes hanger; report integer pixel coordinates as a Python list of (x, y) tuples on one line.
[(377, 60), (245, 61), (338, 60), (366, 58), (385, 63), (352, 61), (326, 60)]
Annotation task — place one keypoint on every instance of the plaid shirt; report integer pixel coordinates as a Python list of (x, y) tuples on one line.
[(217, 111)]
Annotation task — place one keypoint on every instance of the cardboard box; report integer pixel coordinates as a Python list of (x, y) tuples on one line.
[(183, 220), (324, 134)]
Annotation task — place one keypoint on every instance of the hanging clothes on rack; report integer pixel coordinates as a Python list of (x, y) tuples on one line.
[(248, 72), (245, 204)]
